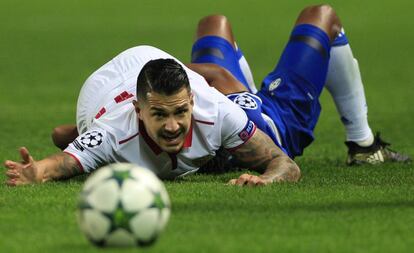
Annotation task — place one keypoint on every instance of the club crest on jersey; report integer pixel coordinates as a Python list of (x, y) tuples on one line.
[(247, 131), (91, 139), (273, 85), (246, 101)]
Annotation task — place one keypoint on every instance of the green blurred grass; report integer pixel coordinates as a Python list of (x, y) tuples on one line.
[(49, 48)]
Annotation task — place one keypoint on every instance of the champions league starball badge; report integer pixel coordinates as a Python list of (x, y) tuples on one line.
[(245, 101), (91, 139)]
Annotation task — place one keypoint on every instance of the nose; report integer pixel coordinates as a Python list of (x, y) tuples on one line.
[(172, 125)]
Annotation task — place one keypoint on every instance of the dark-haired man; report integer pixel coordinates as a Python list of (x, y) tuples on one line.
[(176, 125)]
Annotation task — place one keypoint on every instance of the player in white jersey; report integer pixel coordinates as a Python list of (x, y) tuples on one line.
[(173, 126), (106, 111)]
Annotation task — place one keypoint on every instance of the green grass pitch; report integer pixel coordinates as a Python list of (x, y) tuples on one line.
[(48, 48)]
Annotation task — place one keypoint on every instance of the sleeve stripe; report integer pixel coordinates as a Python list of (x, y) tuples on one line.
[(77, 160), (128, 139), (237, 147), (204, 122)]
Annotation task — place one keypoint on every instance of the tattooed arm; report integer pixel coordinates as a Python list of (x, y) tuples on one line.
[(261, 154), (29, 171)]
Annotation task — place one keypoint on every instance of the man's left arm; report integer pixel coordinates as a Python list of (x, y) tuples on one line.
[(261, 154)]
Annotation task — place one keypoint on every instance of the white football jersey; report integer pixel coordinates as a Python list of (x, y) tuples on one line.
[(111, 131)]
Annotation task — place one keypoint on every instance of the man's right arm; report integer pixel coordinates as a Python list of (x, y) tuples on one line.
[(55, 167), (261, 154)]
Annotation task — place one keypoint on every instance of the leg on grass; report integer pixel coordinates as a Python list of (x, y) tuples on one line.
[(344, 83)]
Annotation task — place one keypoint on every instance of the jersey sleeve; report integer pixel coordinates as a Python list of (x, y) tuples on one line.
[(236, 128), (92, 149)]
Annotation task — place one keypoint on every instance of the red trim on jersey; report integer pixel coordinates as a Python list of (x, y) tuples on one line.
[(189, 138), (237, 147), (204, 122), (154, 146), (77, 160), (122, 97), (128, 139), (100, 113)]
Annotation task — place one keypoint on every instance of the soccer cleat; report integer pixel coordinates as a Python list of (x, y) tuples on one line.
[(377, 153)]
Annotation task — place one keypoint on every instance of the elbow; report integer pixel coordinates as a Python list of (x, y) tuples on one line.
[(293, 173), (296, 173)]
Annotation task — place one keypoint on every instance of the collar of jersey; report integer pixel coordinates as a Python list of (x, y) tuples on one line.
[(154, 146)]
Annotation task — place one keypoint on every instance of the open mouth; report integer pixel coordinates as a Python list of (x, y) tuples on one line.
[(172, 139)]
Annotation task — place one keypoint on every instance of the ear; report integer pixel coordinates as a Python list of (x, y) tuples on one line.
[(136, 105), (191, 99)]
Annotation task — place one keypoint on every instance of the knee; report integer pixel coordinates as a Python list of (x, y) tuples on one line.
[(323, 16), (63, 135), (322, 10), (216, 25), (57, 134), (213, 21)]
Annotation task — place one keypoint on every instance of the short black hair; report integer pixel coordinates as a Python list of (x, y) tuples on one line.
[(163, 76)]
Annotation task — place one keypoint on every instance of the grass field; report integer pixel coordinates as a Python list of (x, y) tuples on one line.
[(49, 48)]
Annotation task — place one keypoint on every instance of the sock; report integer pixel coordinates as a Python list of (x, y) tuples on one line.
[(245, 68), (345, 85)]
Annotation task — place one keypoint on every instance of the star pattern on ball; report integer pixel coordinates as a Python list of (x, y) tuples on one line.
[(120, 218), (158, 202), (246, 102), (91, 139)]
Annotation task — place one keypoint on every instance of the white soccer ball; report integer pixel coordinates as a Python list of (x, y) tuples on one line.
[(123, 205)]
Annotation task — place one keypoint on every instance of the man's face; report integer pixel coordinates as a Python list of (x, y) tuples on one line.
[(167, 119)]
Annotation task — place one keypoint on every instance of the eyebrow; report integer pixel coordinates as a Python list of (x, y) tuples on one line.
[(182, 107), (160, 109), (157, 109)]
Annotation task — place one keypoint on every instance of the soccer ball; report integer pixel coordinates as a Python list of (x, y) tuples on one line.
[(123, 205)]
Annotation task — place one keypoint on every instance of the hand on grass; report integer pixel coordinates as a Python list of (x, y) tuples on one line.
[(249, 180), (21, 173)]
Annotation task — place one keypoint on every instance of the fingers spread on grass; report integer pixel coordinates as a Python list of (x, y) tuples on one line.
[(255, 180), (15, 182), (249, 180), (232, 182), (10, 164), (12, 174), (243, 179)]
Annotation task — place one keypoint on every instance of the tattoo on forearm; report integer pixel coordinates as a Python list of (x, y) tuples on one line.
[(261, 154), (258, 152), (283, 170), (67, 167)]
